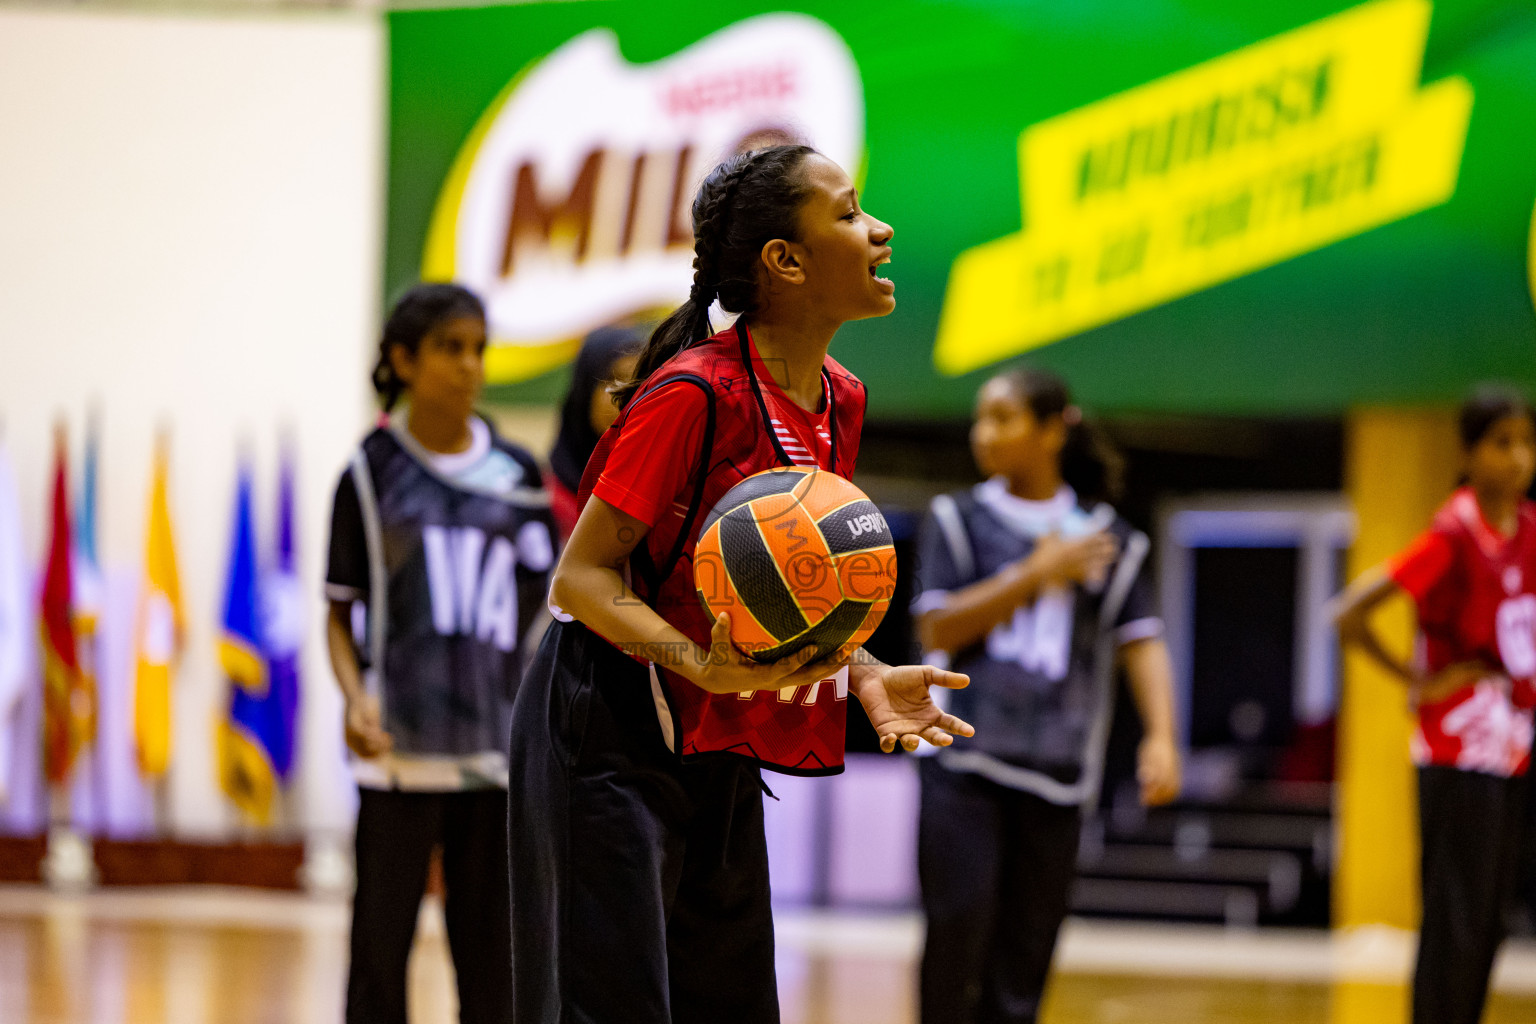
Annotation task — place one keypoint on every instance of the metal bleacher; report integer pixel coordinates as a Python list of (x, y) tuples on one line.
[(1260, 856)]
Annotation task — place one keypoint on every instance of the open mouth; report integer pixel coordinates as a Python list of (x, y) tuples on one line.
[(874, 268)]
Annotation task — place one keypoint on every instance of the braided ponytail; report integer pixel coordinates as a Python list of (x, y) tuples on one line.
[(743, 204)]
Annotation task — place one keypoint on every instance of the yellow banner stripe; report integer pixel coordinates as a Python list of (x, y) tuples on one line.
[(1275, 150)]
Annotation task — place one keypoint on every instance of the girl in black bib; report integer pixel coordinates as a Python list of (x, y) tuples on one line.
[(441, 531), (1032, 585)]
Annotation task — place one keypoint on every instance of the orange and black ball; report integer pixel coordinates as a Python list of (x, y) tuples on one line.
[(798, 557)]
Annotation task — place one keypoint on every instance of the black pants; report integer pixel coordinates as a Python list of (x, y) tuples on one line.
[(639, 884), (396, 832), (1469, 827), (996, 867)]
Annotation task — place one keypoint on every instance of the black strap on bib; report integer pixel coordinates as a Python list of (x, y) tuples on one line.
[(641, 556), (757, 392)]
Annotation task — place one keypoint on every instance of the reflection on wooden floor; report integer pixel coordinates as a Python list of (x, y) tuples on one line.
[(190, 956)]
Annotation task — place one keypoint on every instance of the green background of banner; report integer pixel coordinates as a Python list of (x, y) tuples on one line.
[(1409, 313)]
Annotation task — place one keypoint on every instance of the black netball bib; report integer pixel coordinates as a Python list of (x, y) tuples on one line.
[(1042, 684), (458, 573)]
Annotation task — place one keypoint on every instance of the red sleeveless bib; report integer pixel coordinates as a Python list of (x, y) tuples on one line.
[(801, 730)]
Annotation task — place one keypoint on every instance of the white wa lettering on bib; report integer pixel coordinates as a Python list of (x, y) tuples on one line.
[(1039, 637), (472, 595)]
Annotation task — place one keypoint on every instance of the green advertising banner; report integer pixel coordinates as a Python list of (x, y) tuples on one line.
[(1189, 207)]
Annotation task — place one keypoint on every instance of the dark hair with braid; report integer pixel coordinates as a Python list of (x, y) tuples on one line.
[(416, 313), (745, 203), (1089, 462)]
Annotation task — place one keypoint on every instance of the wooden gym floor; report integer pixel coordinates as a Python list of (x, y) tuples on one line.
[(196, 955)]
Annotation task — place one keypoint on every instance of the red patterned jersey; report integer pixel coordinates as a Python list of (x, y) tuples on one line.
[(705, 420), (1475, 591)]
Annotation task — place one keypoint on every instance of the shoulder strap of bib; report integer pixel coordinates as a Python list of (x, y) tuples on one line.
[(950, 520), (652, 573), (762, 405)]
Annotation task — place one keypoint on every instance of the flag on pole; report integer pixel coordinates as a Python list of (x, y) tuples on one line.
[(282, 629), (68, 708), (157, 638), (15, 617), (246, 771), (86, 580)]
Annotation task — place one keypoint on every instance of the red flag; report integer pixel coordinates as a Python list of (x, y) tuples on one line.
[(66, 702)]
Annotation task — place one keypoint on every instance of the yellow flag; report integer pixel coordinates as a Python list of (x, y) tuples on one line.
[(158, 638)]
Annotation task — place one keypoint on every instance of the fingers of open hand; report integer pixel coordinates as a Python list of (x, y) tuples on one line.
[(948, 680), (938, 736), (956, 726)]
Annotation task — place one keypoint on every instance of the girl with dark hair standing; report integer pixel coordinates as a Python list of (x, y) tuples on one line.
[(441, 531), (639, 865), (1035, 588), (1472, 579), (607, 356)]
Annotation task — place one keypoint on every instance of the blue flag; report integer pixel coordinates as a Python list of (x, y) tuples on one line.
[(246, 769), (282, 627)]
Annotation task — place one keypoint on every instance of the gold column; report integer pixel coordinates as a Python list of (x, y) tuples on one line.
[(1400, 464)]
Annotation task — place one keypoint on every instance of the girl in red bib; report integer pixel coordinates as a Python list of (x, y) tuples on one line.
[(639, 866), (1472, 579)]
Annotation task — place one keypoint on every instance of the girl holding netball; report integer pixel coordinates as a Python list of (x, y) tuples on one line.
[(1036, 589), (441, 530), (1472, 579), (639, 867)]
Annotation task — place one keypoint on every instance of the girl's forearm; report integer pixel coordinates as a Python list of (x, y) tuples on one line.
[(598, 597), (1369, 643), (1353, 617), (972, 612), (338, 642), (1149, 673)]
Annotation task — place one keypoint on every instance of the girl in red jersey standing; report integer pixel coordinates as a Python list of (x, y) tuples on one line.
[(1472, 579), (639, 866)]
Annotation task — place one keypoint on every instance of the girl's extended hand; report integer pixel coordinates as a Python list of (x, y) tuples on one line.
[(1158, 770), (1080, 560), (365, 731), (899, 706), (727, 670)]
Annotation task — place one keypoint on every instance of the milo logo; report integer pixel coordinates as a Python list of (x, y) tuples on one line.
[(569, 205)]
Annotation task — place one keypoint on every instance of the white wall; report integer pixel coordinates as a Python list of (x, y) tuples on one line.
[(190, 212)]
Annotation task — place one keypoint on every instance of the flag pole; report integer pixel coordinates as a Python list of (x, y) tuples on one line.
[(68, 864), (92, 501)]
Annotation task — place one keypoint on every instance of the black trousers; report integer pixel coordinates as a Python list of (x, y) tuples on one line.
[(639, 884), (1470, 828), (996, 867), (396, 832)]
